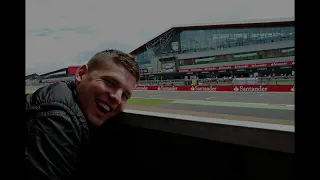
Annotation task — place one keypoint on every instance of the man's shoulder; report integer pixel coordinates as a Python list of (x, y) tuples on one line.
[(56, 100), (55, 130), (61, 93)]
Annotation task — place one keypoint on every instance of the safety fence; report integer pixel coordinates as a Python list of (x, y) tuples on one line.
[(283, 80), (257, 84)]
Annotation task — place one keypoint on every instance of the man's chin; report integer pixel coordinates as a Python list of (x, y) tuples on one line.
[(96, 121)]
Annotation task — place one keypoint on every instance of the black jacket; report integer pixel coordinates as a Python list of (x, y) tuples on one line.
[(55, 129)]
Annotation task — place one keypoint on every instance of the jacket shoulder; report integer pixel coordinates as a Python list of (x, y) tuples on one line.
[(58, 93), (58, 96)]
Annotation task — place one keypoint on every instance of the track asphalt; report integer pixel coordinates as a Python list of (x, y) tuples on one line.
[(252, 104), (260, 105)]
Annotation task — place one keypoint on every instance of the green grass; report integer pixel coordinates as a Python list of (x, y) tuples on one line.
[(29, 92), (147, 102)]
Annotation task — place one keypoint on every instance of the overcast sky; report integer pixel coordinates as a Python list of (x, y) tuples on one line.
[(60, 33)]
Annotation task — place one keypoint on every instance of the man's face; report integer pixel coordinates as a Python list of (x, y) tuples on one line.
[(103, 92)]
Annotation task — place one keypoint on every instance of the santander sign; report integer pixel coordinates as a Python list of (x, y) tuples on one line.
[(250, 89), (203, 88), (141, 88), (167, 88), (213, 88)]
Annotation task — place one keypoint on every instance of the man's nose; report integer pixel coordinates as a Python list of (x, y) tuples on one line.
[(116, 97)]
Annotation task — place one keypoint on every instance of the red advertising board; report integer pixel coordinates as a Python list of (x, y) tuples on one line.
[(72, 69), (237, 66), (231, 88)]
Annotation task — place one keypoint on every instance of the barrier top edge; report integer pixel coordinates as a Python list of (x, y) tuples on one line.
[(229, 122)]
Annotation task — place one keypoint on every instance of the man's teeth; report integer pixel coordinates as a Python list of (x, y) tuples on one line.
[(104, 106)]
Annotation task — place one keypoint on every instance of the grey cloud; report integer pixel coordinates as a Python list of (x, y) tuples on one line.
[(78, 29), (50, 32), (83, 57), (42, 32)]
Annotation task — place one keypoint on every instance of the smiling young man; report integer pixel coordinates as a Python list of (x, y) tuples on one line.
[(60, 116)]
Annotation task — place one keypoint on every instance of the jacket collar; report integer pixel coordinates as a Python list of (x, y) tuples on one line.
[(72, 86)]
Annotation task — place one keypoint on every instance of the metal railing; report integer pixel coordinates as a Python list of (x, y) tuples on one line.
[(207, 81), (221, 81)]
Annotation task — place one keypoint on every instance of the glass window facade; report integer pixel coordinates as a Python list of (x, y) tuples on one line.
[(144, 58), (195, 40), (239, 57), (201, 40)]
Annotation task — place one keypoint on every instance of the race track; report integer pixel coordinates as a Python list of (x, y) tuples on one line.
[(261, 105), (274, 106)]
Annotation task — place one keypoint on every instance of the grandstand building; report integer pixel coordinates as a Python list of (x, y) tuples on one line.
[(242, 49)]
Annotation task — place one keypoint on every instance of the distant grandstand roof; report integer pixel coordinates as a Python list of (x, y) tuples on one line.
[(247, 23), (56, 71), (32, 76)]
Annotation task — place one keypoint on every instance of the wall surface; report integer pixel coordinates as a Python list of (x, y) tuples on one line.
[(138, 145)]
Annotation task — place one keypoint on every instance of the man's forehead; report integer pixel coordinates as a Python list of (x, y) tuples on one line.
[(116, 71), (105, 65), (112, 67)]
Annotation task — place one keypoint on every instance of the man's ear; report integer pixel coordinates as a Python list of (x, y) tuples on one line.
[(81, 72)]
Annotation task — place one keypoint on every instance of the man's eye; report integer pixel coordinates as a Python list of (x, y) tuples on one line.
[(125, 96), (107, 81)]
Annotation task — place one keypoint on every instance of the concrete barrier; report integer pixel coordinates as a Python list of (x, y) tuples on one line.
[(274, 137), (149, 145)]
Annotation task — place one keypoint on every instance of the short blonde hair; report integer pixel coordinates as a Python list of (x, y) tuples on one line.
[(118, 57)]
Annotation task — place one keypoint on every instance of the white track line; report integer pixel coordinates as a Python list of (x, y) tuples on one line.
[(291, 105)]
